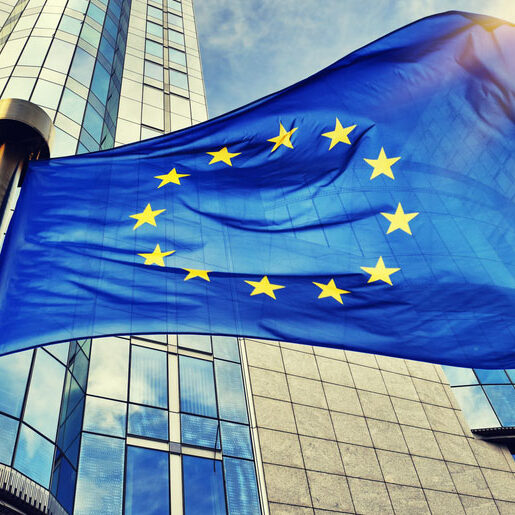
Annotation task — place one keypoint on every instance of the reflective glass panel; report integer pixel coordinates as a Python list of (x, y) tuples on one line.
[(45, 391), (176, 37), (14, 370), (491, 376), (82, 67), (176, 56), (105, 416), (231, 395), (63, 483), (46, 94), (79, 366), (78, 5), (503, 401), (19, 87), (206, 476), (100, 83), (109, 368), (175, 5), (226, 347), (197, 387), (147, 483), (34, 456), (93, 122), (236, 440), (511, 374), (154, 29), (72, 105), (153, 70), (458, 376), (96, 13), (35, 51), (200, 431), (148, 422), (198, 342), (59, 350), (153, 48), (476, 407), (100, 478), (8, 430), (178, 79), (90, 35), (70, 25), (64, 144), (60, 56), (148, 377), (155, 13), (242, 492), (174, 20)]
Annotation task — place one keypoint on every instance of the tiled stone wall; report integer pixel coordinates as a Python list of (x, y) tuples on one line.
[(346, 432)]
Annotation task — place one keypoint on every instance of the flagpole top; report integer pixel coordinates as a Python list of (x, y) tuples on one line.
[(26, 124)]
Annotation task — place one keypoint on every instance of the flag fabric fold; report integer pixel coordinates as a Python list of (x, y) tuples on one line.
[(368, 207)]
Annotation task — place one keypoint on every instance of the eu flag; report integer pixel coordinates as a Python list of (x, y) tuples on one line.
[(368, 207)]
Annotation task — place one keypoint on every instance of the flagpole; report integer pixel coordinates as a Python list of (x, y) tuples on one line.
[(26, 133)]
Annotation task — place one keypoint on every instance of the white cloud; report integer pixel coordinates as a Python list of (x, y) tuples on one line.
[(251, 48)]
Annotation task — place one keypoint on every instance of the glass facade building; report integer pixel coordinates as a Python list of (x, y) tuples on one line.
[(198, 424)]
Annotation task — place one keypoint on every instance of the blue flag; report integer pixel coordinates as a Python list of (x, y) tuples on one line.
[(368, 207)]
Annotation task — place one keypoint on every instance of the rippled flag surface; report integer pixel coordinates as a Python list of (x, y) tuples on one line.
[(368, 207)]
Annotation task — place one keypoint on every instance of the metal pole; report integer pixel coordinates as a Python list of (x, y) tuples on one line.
[(26, 132)]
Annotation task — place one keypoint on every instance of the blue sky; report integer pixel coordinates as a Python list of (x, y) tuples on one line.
[(251, 48)]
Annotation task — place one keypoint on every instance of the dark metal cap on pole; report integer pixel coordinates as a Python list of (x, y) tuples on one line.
[(26, 132)]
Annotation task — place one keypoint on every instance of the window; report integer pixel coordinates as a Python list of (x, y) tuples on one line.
[(105, 416), (47, 94), (96, 13), (35, 51), (154, 29), (201, 343), (174, 20), (172, 4), (148, 377), (93, 123), (153, 48), (178, 79), (176, 56), (100, 492), (90, 35), (242, 494), (154, 71), (147, 484), (100, 83), (34, 456), (176, 37), (197, 387), (109, 365), (200, 431), (226, 347), (70, 25), (82, 67), (231, 395), (60, 56), (502, 398), (43, 400), (491, 376), (458, 376), (477, 409), (148, 422), (236, 440), (14, 370), (8, 430), (72, 105), (206, 476), (155, 13)]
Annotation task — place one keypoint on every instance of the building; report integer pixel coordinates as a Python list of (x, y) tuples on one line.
[(198, 424)]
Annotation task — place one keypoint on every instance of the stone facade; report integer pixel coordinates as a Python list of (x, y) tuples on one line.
[(345, 432)]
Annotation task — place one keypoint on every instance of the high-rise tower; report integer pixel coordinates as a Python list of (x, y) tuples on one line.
[(199, 424)]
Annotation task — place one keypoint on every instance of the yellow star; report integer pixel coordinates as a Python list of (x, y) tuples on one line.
[(330, 290), (283, 138), (171, 177), (382, 165), (156, 257), (264, 286), (146, 217), (380, 272), (192, 272), (399, 220), (339, 135), (223, 155)]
